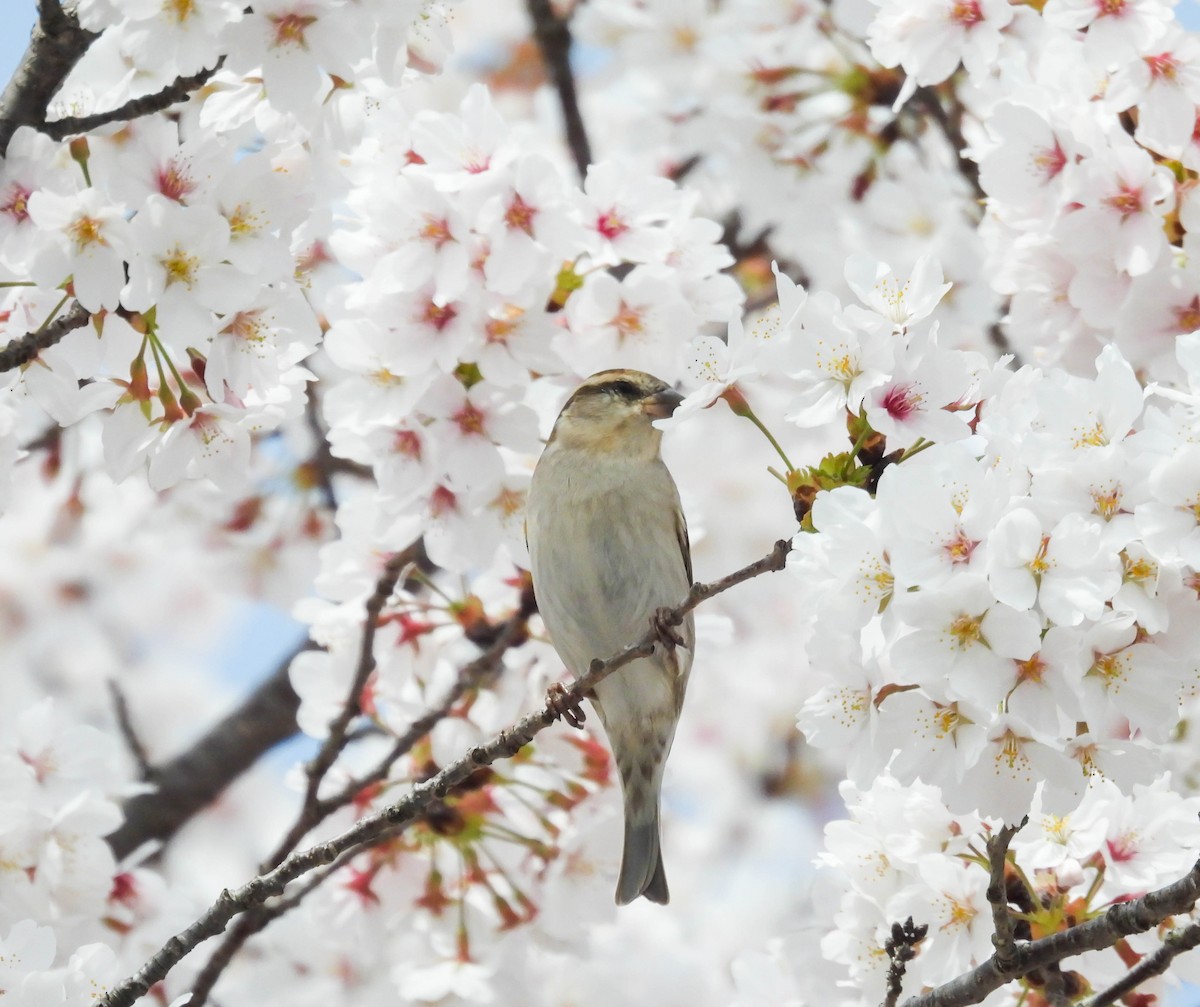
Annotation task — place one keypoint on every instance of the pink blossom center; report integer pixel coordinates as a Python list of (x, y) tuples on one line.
[(406, 443), (86, 231), (17, 204), (611, 225), (1031, 670), (1127, 201), (901, 401), (442, 501), (1187, 316), (436, 231), (959, 549), (966, 13), (498, 330), (290, 29), (519, 216), (174, 182), (1110, 8), (1163, 66), (470, 420), (1049, 161), (124, 889), (247, 325), (477, 163), (1123, 849), (359, 883), (42, 765), (628, 321), (438, 315)]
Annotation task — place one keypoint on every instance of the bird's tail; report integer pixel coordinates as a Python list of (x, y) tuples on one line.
[(641, 862)]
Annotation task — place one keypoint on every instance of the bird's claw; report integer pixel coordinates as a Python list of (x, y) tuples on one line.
[(663, 622), (564, 706)]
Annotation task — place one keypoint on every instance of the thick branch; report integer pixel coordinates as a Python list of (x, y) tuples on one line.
[(1133, 917), (21, 351), (56, 45), (192, 780), (554, 40), (180, 89), (374, 828)]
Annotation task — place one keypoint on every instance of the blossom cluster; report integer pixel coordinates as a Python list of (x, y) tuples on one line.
[(60, 783), (335, 300), (903, 854), (1016, 602)]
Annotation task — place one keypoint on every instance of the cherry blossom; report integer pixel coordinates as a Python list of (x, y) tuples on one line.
[(332, 293)]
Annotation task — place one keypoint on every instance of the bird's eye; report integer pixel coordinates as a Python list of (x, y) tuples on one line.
[(624, 389)]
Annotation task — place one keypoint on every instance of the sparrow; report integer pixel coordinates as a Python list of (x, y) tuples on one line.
[(608, 549)]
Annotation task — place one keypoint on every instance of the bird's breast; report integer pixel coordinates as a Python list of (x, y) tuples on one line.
[(605, 555)]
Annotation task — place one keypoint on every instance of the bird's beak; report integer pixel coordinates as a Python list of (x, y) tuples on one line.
[(662, 404)]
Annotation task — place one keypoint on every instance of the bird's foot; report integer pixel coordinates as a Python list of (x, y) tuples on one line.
[(663, 622), (565, 706)]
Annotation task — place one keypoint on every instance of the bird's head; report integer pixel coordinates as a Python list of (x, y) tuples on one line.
[(614, 411)]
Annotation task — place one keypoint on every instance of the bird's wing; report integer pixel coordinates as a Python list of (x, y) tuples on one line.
[(685, 546)]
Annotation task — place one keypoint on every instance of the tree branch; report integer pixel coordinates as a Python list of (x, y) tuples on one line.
[(1150, 966), (55, 46), (315, 812), (1133, 917), (133, 740), (1003, 939), (256, 920), (311, 809), (180, 89), (193, 779), (335, 740), (253, 922), (21, 351), (554, 41), (950, 123), (374, 828), (901, 949)]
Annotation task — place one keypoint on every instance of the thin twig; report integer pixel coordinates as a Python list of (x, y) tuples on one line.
[(21, 351), (255, 921), (316, 811), (1152, 965), (180, 89), (132, 739), (901, 948), (1133, 917), (468, 678), (554, 40), (374, 828), (950, 123), (322, 458), (336, 739), (1003, 939)]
